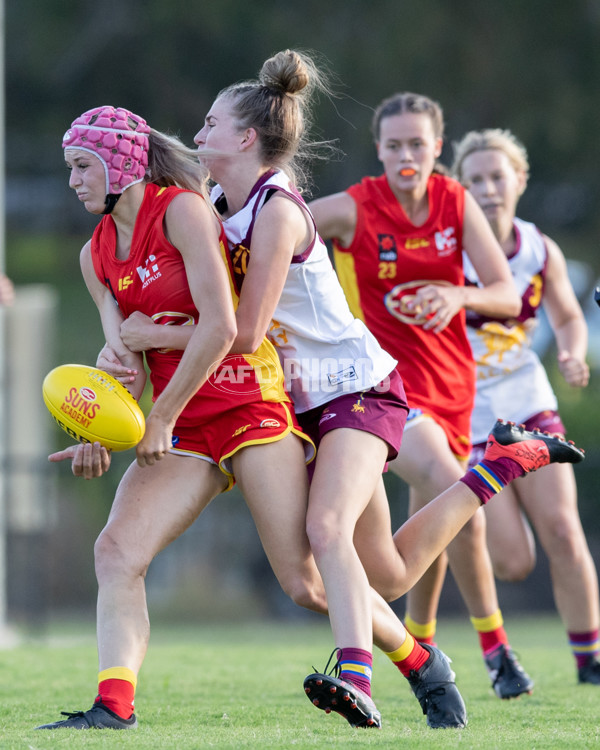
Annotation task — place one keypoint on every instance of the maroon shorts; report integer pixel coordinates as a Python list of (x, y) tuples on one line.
[(546, 421), (381, 410)]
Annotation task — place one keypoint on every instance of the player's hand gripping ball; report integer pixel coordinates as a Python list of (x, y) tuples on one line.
[(90, 405)]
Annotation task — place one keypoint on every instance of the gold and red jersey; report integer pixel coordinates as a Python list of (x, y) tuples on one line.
[(153, 280), (388, 260)]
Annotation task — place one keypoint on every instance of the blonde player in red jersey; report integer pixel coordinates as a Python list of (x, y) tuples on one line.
[(398, 242)]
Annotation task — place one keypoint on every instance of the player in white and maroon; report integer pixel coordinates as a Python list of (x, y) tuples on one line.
[(250, 139), (511, 381)]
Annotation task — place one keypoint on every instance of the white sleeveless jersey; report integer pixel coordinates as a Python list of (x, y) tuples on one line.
[(324, 350), (511, 381)]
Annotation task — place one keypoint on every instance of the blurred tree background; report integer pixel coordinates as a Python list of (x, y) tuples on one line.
[(533, 67)]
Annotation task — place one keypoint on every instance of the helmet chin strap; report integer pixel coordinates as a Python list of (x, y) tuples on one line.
[(111, 202)]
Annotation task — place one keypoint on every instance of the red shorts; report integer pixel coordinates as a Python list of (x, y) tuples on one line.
[(382, 411), (251, 424), (546, 421), (460, 445)]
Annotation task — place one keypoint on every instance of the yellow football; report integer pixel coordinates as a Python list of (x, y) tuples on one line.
[(90, 405)]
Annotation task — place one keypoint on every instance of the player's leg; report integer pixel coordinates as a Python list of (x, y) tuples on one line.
[(428, 465), (386, 568), (274, 482), (426, 668), (391, 571), (510, 453), (340, 491), (152, 507), (395, 564), (348, 465), (550, 500), (424, 605), (509, 536), (398, 564), (346, 476)]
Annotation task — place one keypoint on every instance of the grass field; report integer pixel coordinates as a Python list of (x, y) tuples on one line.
[(240, 686)]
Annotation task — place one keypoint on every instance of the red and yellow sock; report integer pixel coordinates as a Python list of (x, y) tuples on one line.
[(409, 656), (116, 690), (421, 632), (490, 631)]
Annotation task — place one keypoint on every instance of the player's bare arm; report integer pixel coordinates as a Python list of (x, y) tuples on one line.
[(192, 229), (566, 319), (498, 296), (335, 217), (281, 231), (112, 318)]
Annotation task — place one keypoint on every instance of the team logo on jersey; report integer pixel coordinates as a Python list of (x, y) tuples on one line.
[(397, 300), (387, 247), (414, 243), (149, 271), (125, 282), (277, 334), (240, 430), (239, 262), (500, 341), (446, 242)]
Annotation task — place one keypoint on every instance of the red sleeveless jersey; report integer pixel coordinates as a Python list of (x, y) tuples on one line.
[(387, 262), (152, 279)]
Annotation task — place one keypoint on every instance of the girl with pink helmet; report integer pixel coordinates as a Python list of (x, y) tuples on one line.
[(119, 139), (158, 250)]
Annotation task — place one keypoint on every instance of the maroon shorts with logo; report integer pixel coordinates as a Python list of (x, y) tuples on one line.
[(381, 410)]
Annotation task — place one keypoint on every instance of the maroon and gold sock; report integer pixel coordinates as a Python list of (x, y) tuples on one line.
[(490, 631), (409, 656), (356, 666), (584, 645), (489, 477), (116, 690)]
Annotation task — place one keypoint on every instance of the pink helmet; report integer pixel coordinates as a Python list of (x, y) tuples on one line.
[(119, 139)]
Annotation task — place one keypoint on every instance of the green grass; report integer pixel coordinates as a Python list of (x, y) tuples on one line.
[(240, 686)]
